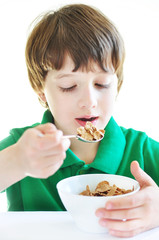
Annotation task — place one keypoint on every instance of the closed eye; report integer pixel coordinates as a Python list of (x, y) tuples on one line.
[(102, 85), (69, 89)]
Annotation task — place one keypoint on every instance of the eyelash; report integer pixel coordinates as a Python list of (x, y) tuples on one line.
[(69, 89), (102, 85)]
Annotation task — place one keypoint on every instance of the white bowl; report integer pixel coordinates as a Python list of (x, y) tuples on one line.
[(82, 208)]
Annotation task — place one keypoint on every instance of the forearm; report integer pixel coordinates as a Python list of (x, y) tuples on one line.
[(10, 170)]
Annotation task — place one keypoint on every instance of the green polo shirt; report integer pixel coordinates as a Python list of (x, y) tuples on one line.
[(116, 151)]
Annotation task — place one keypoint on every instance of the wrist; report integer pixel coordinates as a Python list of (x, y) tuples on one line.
[(18, 161), (10, 167)]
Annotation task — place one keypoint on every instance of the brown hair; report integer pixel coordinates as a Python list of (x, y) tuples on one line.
[(79, 30)]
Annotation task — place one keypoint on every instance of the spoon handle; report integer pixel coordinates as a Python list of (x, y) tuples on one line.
[(69, 136)]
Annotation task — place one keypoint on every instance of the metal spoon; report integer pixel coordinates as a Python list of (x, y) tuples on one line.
[(82, 139), (77, 137)]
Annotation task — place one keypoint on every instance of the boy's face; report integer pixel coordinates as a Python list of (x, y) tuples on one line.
[(77, 97)]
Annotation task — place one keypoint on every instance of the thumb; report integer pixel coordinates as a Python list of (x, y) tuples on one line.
[(47, 128), (142, 177)]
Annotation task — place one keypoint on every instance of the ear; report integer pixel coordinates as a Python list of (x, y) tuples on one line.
[(42, 96)]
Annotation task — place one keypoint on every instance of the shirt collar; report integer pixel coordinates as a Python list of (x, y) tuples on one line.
[(47, 117), (110, 151)]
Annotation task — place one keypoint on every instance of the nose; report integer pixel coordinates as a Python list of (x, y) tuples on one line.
[(88, 98)]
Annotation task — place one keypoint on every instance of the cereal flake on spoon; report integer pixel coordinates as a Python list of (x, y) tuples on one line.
[(89, 132)]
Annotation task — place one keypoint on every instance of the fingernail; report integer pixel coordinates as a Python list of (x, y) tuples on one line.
[(60, 133), (66, 143), (40, 134), (99, 214), (109, 206), (103, 223)]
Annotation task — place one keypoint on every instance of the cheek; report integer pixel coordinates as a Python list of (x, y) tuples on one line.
[(108, 102), (110, 98), (56, 106), (59, 106)]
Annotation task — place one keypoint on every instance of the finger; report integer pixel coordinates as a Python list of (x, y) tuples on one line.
[(126, 202), (36, 139), (49, 141), (45, 166), (125, 234), (57, 164), (52, 158), (46, 128), (127, 214), (143, 178), (122, 226), (51, 149), (66, 144), (51, 169)]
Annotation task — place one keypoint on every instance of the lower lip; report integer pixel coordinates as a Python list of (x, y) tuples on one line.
[(83, 123)]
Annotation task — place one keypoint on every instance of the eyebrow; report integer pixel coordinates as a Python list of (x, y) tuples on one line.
[(66, 75), (63, 75)]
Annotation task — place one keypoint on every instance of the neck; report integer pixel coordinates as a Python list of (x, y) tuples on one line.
[(84, 151)]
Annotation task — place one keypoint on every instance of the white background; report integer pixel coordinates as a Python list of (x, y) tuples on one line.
[(138, 100)]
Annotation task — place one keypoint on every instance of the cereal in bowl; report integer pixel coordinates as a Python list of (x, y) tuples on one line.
[(104, 189)]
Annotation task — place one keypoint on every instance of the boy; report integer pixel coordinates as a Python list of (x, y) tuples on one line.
[(75, 62)]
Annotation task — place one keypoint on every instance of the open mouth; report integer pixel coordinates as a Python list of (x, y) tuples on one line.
[(82, 121), (87, 119)]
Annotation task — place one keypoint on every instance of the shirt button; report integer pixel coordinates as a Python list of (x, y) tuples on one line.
[(81, 172)]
